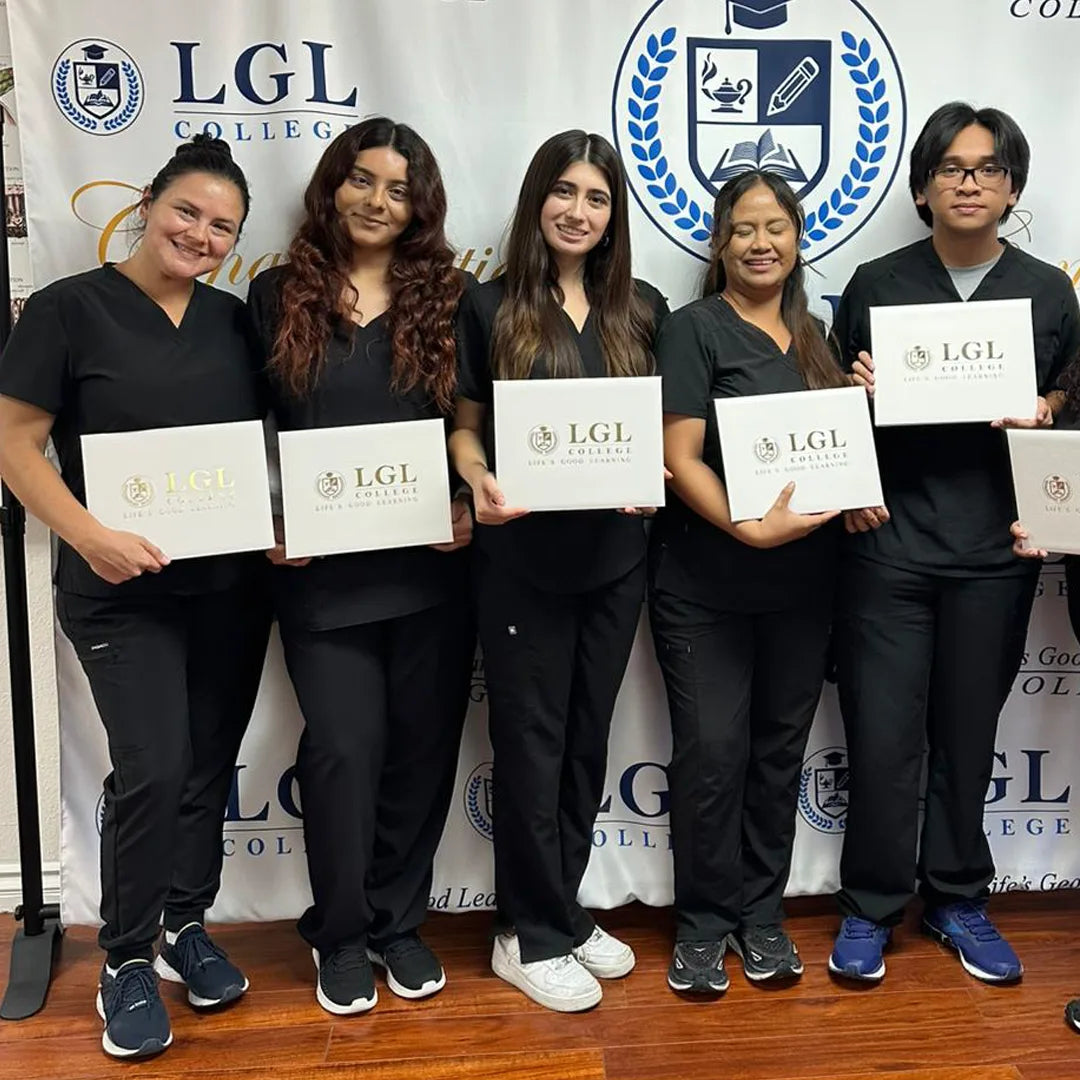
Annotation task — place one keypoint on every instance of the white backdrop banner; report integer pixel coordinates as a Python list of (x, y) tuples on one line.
[(829, 91)]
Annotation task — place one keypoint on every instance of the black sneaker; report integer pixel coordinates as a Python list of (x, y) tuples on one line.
[(136, 1023), (766, 953), (412, 969), (194, 959), (346, 983), (1072, 1014), (698, 966)]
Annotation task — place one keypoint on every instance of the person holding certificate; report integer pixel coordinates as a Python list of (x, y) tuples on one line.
[(558, 593), (740, 610), (933, 606), (358, 328), (173, 652)]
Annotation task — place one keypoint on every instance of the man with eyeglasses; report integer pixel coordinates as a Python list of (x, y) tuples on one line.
[(933, 605)]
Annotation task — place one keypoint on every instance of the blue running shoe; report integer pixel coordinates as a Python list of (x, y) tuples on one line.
[(857, 953), (210, 976), (964, 926), (136, 1023)]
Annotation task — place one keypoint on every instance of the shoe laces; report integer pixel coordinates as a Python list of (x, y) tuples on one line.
[(704, 953), (860, 929), (133, 989), (346, 958), (975, 922), (197, 949), (560, 963), (403, 948)]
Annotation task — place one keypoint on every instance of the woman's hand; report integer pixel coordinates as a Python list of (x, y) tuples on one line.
[(1020, 548), (865, 520), (1043, 418), (277, 553), (461, 518), (490, 503), (117, 556), (645, 511), (781, 524), (862, 373)]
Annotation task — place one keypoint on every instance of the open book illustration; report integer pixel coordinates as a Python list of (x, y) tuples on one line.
[(766, 153)]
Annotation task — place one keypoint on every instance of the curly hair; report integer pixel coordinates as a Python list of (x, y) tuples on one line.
[(317, 297)]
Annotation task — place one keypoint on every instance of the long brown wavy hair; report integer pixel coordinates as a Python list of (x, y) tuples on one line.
[(529, 322), (317, 296), (815, 360)]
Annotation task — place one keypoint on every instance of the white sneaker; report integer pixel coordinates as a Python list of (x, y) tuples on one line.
[(560, 983), (605, 956)]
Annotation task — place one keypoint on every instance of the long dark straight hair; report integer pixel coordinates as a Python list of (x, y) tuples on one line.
[(815, 359), (529, 322), (316, 294)]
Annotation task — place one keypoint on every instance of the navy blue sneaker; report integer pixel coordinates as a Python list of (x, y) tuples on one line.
[(136, 1023), (963, 926), (1072, 1014), (857, 952), (210, 976)]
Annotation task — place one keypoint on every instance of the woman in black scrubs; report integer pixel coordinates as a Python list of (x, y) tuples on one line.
[(740, 611), (136, 345), (558, 594), (358, 328)]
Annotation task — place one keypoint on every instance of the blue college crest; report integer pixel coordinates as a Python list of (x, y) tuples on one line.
[(708, 89), (97, 86), (823, 790)]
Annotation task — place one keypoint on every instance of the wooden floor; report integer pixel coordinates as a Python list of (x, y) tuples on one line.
[(926, 1021)]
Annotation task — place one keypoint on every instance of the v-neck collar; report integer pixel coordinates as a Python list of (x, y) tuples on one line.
[(941, 271), (756, 331), (578, 334), (176, 328)]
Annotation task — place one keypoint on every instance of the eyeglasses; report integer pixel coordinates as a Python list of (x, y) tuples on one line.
[(989, 175)]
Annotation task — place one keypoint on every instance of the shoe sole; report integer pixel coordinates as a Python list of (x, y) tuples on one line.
[(358, 1005), (148, 1049), (975, 972), (170, 974), (697, 986), (858, 976), (512, 975), (403, 991), (779, 973)]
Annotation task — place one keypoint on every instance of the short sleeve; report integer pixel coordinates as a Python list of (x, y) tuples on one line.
[(685, 365), (851, 327), (35, 365), (474, 349), (657, 302)]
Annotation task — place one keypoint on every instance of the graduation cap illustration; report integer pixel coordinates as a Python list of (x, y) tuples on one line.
[(94, 52), (756, 14)]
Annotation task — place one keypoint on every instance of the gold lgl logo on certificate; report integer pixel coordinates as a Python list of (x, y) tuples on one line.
[(372, 485), (183, 490)]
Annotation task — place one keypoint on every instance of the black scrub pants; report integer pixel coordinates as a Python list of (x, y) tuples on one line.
[(742, 690), (554, 663), (922, 659), (174, 679), (383, 706)]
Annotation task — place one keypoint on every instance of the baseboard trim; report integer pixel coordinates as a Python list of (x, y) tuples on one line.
[(11, 884)]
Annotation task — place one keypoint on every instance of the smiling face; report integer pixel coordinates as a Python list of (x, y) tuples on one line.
[(577, 211), (764, 243), (968, 204), (374, 201), (192, 225)]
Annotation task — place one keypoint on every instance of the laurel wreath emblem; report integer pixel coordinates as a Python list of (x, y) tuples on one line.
[(652, 164), (477, 817), (89, 123), (820, 821)]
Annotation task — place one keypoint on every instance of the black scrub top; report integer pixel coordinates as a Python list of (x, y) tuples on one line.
[(948, 487), (353, 387), (706, 351), (561, 551), (102, 356)]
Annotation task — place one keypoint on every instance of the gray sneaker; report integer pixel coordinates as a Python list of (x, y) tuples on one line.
[(766, 953)]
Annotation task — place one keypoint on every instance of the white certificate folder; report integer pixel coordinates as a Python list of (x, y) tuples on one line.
[(820, 439), (364, 487), (194, 490), (1046, 477), (580, 444), (953, 363)]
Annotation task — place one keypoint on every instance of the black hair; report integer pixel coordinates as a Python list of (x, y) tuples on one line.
[(202, 155), (1010, 147)]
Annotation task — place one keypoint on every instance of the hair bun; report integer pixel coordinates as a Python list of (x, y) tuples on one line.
[(205, 144)]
